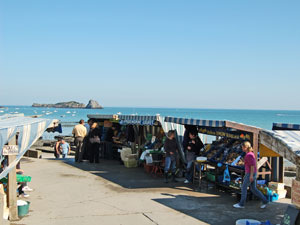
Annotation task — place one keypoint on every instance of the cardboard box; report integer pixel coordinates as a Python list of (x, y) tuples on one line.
[(281, 194), (275, 186)]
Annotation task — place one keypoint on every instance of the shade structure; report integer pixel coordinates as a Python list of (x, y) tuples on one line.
[(196, 122), (138, 120), (102, 116), (285, 126), (29, 130), (285, 143)]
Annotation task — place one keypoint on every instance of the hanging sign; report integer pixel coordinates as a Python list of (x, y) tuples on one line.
[(233, 135), (10, 150)]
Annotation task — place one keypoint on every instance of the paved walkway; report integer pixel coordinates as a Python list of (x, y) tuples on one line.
[(66, 193)]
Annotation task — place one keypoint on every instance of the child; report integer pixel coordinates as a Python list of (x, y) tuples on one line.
[(65, 148)]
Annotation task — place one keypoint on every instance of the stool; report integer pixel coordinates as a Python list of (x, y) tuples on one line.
[(199, 175), (157, 169)]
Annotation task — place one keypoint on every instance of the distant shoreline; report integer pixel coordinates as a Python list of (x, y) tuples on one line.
[(92, 104)]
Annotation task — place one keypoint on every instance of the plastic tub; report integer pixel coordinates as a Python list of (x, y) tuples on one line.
[(131, 163), (247, 222), (23, 209), (201, 159)]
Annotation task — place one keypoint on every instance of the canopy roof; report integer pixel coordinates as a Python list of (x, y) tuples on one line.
[(101, 116), (285, 126), (197, 122), (138, 120), (285, 143), (214, 124), (29, 129)]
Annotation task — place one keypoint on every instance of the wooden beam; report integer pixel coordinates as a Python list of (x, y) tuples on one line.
[(255, 144), (261, 162), (298, 173), (242, 127), (2, 204), (12, 191), (264, 173), (12, 187)]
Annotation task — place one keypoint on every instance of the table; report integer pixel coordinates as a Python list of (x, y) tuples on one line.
[(199, 175)]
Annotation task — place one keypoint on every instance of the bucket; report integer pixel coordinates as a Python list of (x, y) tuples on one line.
[(247, 222), (23, 209)]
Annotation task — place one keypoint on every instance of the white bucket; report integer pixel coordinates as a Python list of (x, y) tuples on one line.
[(244, 222)]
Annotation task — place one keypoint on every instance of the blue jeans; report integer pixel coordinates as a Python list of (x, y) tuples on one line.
[(170, 163), (189, 170), (64, 156), (253, 189)]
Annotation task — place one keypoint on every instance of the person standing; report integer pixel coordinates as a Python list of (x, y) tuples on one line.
[(79, 133), (94, 139), (192, 147), (65, 148), (57, 148), (171, 149), (250, 178)]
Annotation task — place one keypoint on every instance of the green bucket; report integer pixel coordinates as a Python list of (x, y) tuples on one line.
[(23, 210)]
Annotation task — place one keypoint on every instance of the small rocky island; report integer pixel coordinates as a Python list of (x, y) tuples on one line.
[(71, 104)]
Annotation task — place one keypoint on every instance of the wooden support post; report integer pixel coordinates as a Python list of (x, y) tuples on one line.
[(12, 187), (298, 173), (2, 205), (255, 144), (281, 169), (12, 191)]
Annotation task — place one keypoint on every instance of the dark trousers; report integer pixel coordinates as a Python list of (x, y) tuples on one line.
[(79, 150), (94, 152)]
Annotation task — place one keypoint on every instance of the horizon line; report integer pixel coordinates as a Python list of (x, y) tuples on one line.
[(157, 107)]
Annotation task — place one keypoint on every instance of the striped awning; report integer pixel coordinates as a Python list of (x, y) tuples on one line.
[(196, 122), (101, 116), (285, 126), (29, 129), (137, 120)]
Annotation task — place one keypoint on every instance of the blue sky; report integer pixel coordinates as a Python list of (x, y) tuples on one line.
[(196, 54)]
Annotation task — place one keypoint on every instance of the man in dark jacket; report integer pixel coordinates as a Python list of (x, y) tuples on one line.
[(192, 148), (171, 150)]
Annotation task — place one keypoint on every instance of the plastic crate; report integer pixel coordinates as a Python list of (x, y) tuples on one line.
[(211, 177), (131, 163), (22, 178)]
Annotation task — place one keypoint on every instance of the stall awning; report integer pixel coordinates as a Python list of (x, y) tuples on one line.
[(6, 116), (285, 143), (196, 122), (138, 120), (285, 126), (102, 116), (29, 129)]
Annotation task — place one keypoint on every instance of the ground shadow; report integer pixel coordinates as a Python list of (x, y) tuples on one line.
[(213, 206), (218, 210), (130, 178)]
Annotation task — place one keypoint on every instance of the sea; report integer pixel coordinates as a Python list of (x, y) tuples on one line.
[(69, 117)]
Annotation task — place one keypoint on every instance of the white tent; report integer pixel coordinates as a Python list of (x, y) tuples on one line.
[(29, 130)]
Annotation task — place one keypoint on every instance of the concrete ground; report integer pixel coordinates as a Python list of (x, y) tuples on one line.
[(68, 193)]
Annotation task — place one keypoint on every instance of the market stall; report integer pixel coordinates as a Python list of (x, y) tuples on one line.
[(144, 135), (284, 140), (225, 155), (17, 134), (149, 127)]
